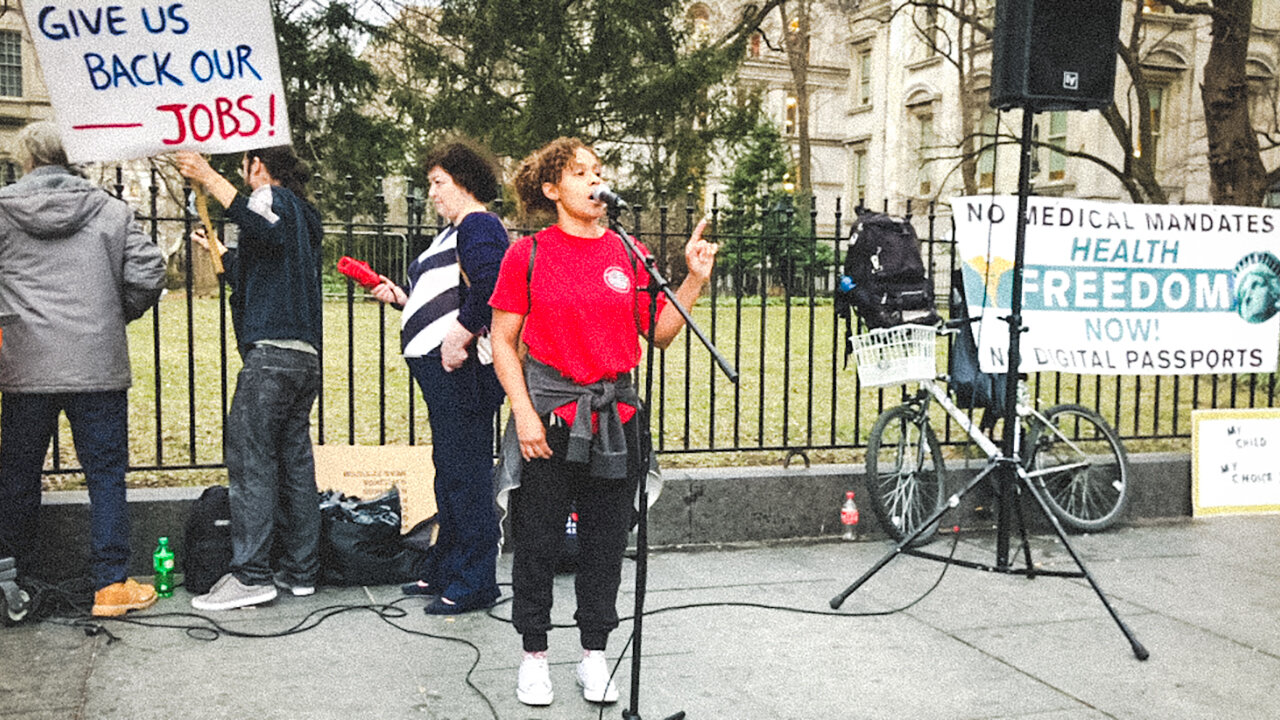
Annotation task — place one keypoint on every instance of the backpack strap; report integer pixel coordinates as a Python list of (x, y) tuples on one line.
[(528, 277)]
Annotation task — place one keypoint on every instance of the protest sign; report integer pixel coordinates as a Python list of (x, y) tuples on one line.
[(1236, 466), (1119, 289), (132, 79)]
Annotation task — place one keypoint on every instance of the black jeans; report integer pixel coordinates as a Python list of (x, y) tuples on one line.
[(539, 508), (100, 430), (270, 466)]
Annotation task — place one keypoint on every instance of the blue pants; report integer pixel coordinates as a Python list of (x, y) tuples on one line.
[(100, 430), (270, 467), (461, 405)]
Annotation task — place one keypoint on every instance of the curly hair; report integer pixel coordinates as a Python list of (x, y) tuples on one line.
[(470, 166), (545, 165), (284, 166)]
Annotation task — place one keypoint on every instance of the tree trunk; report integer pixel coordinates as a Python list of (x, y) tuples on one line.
[(971, 109), (797, 45), (1236, 172)]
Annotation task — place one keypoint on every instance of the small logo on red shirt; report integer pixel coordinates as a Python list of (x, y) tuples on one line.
[(618, 279)]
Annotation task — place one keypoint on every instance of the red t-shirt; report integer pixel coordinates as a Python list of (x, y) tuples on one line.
[(589, 307)]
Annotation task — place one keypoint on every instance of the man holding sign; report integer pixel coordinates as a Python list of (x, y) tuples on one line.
[(274, 274)]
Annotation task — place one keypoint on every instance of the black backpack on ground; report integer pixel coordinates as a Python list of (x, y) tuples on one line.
[(206, 553), (889, 283)]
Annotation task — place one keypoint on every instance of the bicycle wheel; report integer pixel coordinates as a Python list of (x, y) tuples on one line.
[(905, 473), (1078, 461)]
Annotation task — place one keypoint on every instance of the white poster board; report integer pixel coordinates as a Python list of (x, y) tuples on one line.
[(131, 79), (1121, 289), (1235, 461)]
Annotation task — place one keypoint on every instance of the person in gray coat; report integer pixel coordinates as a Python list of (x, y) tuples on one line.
[(75, 268)]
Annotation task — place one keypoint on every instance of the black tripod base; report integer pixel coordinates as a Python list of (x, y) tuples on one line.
[(1019, 477), (628, 715)]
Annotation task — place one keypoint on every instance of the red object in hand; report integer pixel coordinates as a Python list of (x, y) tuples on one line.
[(359, 271)]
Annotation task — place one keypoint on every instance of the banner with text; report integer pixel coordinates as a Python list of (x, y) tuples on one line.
[(131, 79), (1116, 289)]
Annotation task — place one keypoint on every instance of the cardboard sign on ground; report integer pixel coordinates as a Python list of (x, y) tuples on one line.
[(367, 471)]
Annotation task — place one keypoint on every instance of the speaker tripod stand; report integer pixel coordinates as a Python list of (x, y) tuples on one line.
[(1012, 479)]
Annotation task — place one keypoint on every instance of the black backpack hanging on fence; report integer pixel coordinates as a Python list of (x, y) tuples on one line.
[(206, 543), (889, 283)]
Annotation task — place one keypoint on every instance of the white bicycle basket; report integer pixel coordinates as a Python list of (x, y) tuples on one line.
[(896, 355)]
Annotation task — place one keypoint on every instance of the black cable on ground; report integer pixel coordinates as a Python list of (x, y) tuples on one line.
[(474, 648), (55, 599)]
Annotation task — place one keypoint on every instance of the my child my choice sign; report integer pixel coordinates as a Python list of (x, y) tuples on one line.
[(132, 79)]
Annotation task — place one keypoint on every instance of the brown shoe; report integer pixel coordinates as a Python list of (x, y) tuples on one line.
[(120, 598)]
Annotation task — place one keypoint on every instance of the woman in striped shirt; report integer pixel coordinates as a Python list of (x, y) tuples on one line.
[(444, 335)]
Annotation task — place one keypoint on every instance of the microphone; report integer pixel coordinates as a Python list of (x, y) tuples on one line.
[(603, 194)]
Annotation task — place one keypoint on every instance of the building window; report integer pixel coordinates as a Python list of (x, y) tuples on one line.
[(1154, 6), (929, 29), (863, 66), (790, 118), (987, 153), (1058, 140), (9, 172), (753, 49), (1262, 94), (1272, 198), (860, 177), (924, 152), (1156, 97), (10, 63)]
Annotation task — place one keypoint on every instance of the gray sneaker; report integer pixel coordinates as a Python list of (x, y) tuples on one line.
[(229, 593)]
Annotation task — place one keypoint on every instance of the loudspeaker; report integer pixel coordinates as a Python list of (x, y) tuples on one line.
[(1054, 54)]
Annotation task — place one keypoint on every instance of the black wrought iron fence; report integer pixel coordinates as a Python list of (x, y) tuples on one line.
[(776, 325)]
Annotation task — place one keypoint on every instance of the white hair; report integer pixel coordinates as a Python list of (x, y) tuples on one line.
[(39, 144)]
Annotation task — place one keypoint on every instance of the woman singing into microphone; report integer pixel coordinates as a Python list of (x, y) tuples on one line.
[(577, 299)]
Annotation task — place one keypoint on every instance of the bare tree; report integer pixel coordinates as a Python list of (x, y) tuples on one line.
[(1130, 121), (1237, 175)]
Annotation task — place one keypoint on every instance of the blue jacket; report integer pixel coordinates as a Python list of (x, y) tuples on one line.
[(274, 271)]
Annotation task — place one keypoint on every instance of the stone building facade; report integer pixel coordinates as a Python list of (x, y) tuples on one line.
[(887, 105)]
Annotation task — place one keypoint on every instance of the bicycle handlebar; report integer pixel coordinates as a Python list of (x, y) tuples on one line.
[(956, 324)]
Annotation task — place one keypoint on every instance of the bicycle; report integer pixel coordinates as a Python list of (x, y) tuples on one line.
[(1071, 453)]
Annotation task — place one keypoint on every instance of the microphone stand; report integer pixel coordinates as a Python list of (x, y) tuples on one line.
[(657, 284)]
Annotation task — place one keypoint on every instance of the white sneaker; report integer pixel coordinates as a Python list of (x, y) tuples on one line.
[(283, 582), (533, 685), (593, 676), (229, 593)]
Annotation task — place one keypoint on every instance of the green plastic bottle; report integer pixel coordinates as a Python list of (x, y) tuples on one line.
[(163, 562)]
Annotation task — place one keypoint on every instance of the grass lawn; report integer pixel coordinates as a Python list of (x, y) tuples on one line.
[(792, 391)]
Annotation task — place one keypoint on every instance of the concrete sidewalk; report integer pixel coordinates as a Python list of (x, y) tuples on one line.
[(761, 642)]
